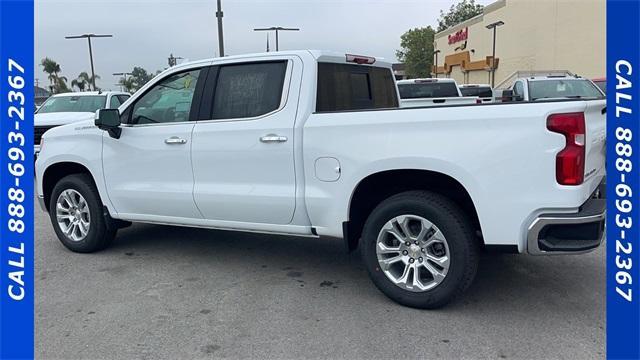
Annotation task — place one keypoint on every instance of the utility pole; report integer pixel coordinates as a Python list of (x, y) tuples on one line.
[(123, 74), (173, 60), (276, 29), (493, 56), (219, 15), (436, 67), (88, 37)]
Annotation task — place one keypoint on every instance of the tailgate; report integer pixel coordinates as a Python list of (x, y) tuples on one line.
[(595, 121), (420, 102)]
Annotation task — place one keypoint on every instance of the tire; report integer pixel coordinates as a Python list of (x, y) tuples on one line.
[(99, 233), (396, 279)]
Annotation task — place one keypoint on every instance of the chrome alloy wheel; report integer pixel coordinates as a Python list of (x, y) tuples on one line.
[(413, 253), (72, 213)]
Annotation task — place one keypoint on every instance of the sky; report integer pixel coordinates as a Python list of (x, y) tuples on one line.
[(146, 32)]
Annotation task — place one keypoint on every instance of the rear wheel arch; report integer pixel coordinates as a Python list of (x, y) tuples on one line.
[(377, 187)]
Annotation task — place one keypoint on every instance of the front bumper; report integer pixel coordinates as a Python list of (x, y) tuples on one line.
[(41, 203), (574, 233)]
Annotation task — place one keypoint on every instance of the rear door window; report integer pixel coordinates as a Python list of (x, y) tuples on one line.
[(343, 87), (248, 90), (114, 103)]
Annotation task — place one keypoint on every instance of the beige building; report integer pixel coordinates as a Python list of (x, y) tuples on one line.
[(536, 35)]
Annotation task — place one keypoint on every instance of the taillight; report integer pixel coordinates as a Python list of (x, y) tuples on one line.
[(570, 160)]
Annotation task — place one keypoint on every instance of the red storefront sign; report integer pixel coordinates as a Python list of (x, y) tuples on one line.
[(460, 35)]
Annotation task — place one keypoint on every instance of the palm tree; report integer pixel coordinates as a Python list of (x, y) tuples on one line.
[(60, 85), (128, 84), (83, 81), (52, 68)]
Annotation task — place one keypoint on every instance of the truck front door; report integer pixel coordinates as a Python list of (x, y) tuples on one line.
[(148, 169)]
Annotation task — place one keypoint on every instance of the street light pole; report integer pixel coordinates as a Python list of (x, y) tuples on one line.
[(493, 56), (277, 29), (88, 37), (219, 15), (124, 76), (436, 67)]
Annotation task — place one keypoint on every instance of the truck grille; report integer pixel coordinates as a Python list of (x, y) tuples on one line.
[(38, 131)]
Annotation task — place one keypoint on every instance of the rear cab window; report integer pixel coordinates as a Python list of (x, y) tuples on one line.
[(434, 89), (343, 87), (480, 91)]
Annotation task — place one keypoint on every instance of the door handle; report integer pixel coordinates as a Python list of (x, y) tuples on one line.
[(174, 140), (271, 138)]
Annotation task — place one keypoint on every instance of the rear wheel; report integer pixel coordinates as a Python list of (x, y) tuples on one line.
[(420, 249), (76, 214)]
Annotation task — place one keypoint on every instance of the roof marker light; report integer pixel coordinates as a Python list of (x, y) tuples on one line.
[(359, 59)]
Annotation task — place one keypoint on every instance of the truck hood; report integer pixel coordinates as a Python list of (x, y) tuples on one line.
[(61, 118), (74, 129)]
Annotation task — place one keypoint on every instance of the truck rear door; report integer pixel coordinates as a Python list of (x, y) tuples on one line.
[(243, 142)]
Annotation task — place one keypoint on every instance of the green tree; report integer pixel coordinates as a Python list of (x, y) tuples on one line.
[(464, 10), (60, 85), (140, 77), (83, 81), (417, 51), (57, 83), (51, 68), (128, 84)]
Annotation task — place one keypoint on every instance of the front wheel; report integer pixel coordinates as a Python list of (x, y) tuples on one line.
[(76, 214), (419, 249)]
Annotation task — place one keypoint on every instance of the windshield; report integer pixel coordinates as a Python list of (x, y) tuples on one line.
[(602, 84), (428, 90), (563, 88), (73, 104), (481, 91)]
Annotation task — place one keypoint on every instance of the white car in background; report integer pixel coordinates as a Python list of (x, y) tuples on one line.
[(483, 91), (67, 108), (432, 92), (536, 88)]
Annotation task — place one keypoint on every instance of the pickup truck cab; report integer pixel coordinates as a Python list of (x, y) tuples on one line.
[(432, 92), (313, 143), (66, 108), (536, 88)]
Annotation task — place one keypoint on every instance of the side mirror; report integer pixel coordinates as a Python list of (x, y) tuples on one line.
[(508, 96), (109, 120)]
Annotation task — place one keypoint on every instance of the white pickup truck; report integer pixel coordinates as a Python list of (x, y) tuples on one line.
[(432, 92), (310, 143), (66, 108)]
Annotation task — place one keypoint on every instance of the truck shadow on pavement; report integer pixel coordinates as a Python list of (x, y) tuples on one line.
[(504, 282)]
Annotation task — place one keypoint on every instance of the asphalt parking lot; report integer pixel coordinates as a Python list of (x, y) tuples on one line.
[(175, 293)]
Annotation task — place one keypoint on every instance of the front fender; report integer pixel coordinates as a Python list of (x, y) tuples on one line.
[(70, 144)]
